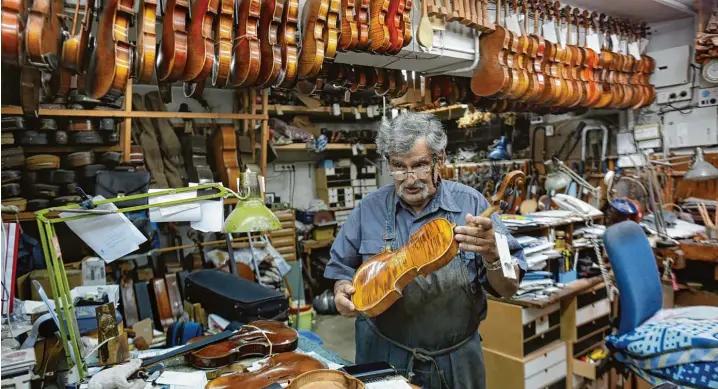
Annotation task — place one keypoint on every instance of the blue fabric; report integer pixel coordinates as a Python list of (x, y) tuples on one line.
[(682, 350), (636, 272), (362, 234)]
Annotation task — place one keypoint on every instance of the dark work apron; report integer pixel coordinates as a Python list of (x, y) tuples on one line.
[(430, 335)]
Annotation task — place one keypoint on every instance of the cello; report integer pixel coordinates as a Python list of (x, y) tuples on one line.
[(246, 52), (260, 337), (224, 34), (288, 43), (12, 32), (379, 281), (173, 49), (277, 369), (111, 63), (271, 65), (146, 41), (199, 37)]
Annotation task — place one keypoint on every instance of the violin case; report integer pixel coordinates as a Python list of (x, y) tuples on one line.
[(234, 298)]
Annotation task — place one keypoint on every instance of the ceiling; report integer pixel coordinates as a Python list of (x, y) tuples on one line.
[(649, 10)]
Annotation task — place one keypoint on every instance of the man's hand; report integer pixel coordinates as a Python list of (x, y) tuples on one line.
[(478, 236), (343, 291)]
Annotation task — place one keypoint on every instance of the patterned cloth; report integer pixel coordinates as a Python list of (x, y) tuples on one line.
[(676, 345)]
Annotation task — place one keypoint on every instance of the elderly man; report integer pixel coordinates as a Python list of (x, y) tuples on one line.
[(431, 334)]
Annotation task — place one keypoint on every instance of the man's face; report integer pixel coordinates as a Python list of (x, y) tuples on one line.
[(418, 187)]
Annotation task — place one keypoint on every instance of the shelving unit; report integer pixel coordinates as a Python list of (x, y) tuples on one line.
[(330, 147), (128, 114), (279, 110)]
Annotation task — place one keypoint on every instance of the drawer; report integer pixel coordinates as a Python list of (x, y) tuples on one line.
[(547, 377), (290, 257), (542, 340), (282, 232), (286, 250), (589, 342), (584, 369), (599, 293), (531, 314), (287, 223), (282, 242), (542, 324), (592, 311), (285, 215), (592, 326), (543, 360)]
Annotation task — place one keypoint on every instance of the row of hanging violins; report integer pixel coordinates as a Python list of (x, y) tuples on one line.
[(338, 79), (524, 69), (228, 43)]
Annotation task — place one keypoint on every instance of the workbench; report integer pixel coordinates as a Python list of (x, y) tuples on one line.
[(532, 344), (703, 254)]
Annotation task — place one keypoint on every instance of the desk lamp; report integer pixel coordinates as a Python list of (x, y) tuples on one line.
[(560, 175), (249, 215), (700, 170)]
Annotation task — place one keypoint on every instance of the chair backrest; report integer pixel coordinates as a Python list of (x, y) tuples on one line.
[(636, 272)]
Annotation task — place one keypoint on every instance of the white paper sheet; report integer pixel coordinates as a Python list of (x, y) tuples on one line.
[(110, 236), (212, 219), (176, 213)]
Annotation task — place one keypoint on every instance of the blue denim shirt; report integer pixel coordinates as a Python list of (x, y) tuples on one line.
[(361, 236)]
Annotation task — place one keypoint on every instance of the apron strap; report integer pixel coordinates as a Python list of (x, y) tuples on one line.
[(420, 353), (390, 222)]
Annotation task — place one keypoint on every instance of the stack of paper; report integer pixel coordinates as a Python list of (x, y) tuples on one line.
[(537, 251)]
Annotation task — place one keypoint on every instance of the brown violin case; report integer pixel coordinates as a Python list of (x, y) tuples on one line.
[(234, 298)]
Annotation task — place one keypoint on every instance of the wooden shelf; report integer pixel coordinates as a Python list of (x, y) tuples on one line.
[(70, 148), (107, 113), (330, 146), (302, 110)]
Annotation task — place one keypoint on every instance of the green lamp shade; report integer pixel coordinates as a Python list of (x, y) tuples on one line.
[(556, 181), (251, 216), (701, 170)]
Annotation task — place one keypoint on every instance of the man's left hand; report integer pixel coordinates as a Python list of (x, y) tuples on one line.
[(478, 236)]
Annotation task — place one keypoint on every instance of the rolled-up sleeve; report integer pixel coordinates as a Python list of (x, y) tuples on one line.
[(344, 254)]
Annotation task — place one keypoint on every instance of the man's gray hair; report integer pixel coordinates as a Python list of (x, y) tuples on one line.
[(399, 135)]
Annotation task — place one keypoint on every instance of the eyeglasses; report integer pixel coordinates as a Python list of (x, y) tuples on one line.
[(420, 172)]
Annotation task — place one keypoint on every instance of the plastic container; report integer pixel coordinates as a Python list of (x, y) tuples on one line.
[(306, 314)]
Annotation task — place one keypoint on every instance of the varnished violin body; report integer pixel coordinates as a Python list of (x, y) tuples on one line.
[(394, 16), (224, 141), (379, 281), (362, 22), (332, 30), (75, 47), (146, 41), (249, 341), (43, 35), (280, 369), (111, 63), (492, 75), (272, 11), (225, 38), (173, 50), (288, 43), (378, 28), (313, 44), (246, 52), (12, 31), (199, 37), (350, 33)]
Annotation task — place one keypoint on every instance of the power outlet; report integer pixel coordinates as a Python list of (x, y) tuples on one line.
[(549, 130), (675, 94), (284, 167)]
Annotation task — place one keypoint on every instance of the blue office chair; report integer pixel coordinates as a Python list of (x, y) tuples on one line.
[(675, 346)]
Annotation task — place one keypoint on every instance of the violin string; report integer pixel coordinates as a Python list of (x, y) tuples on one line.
[(261, 331)]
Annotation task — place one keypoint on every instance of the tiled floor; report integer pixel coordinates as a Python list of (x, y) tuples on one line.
[(337, 332)]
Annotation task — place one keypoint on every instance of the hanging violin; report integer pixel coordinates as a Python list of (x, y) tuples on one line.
[(12, 32), (173, 49), (350, 33), (313, 44), (146, 41), (288, 43), (224, 34), (199, 37), (246, 53), (43, 35), (271, 19), (74, 48), (379, 281), (111, 63), (257, 338)]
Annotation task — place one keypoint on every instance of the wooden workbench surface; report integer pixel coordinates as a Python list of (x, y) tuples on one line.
[(568, 291), (699, 251)]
